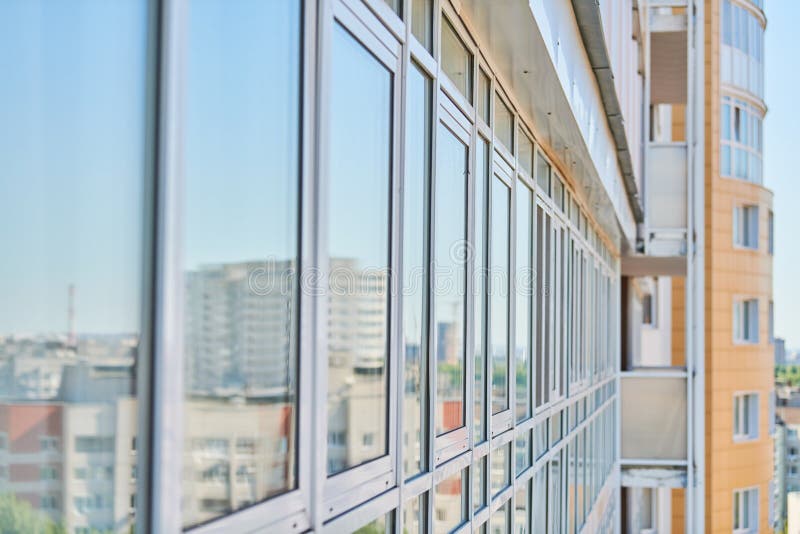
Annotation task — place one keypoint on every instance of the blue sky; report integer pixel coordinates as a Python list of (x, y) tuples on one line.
[(780, 148)]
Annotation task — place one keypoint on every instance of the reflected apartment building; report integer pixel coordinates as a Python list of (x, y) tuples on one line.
[(384, 266)]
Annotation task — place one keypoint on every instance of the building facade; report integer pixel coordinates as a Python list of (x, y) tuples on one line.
[(385, 266)]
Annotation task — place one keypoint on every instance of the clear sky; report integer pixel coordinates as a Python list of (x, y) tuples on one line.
[(780, 148)]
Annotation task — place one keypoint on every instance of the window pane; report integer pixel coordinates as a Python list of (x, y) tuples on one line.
[(522, 453), (501, 521), (481, 196), (498, 299), (523, 279), (479, 483), (456, 60), (503, 123), (540, 501), (414, 521), (522, 510), (450, 267), (72, 197), (501, 468), (484, 96), (525, 152), (242, 176), (449, 503), (542, 173), (358, 242), (422, 22), (418, 133)]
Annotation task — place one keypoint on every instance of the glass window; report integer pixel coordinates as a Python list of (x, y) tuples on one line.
[(745, 510), (73, 141), (481, 284), (414, 515), (745, 416), (522, 509), (396, 5), (745, 321), (449, 503), (745, 226), (449, 298), (456, 60), (558, 192), (479, 483), (542, 173), (501, 468), (484, 95), (503, 123), (376, 526), (523, 279), (501, 519), (543, 291), (358, 243), (422, 22), (499, 297), (418, 164), (525, 152), (522, 452), (554, 496), (241, 299), (540, 501), (771, 232)]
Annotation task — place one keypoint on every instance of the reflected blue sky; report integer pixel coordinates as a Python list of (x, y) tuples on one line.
[(72, 147), (241, 131)]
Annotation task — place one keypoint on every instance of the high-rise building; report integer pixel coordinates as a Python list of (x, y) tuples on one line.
[(385, 266)]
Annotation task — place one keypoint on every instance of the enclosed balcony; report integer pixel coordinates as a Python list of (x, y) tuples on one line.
[(654, 425)]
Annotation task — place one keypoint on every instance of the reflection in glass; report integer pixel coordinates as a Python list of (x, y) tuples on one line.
[(484, 96), (554, 502), (241, 253), (501, 468), (479, 483), (501, 520), (449, 503), (383, 524), (498, 297), (73, 139), (414, 516), (450, 279), (422, 22), (522, 452), (523, 279), (522, 509), (456, 60), (525, 153), (481, 196), (418, 137), (540, 501), (542, 173), (358, 243), (503, 123)]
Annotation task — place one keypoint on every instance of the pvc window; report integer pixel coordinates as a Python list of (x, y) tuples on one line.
[(745, 417), (745, 511), (745, 226), (745, 321)]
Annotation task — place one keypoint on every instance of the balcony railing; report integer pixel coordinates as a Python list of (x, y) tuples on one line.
[(666, 199), (654, 418)]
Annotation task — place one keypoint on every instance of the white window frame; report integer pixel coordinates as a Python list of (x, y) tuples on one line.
[(746, 226), (750, 495), (746, 321), (746, 414)]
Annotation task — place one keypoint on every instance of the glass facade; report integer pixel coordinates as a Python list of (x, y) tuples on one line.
[(370, 292)]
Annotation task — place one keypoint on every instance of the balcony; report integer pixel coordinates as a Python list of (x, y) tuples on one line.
[(654, 417), (666, 198)]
